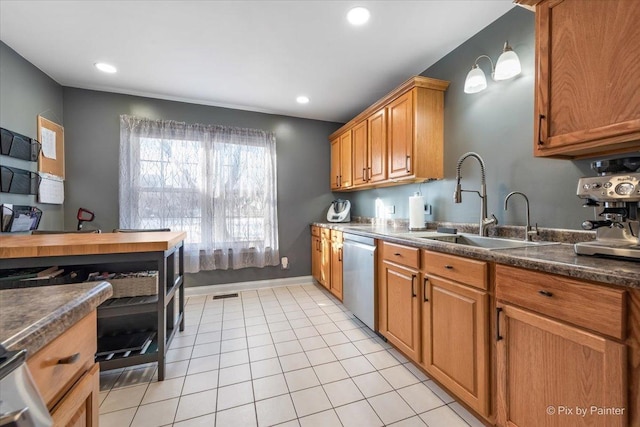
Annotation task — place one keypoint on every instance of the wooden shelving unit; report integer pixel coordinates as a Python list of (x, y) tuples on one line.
[(158, 310)]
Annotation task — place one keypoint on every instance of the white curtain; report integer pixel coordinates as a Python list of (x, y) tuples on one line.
[(217, 183)]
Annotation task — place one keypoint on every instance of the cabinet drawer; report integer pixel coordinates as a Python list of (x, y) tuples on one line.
[(336, 236), (79, 407), (594, 307), (315, 231), (399, 254), (64, 359), (468, 271), (325, 233)]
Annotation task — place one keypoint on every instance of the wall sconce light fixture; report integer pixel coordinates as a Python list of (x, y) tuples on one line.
[(508, 66)]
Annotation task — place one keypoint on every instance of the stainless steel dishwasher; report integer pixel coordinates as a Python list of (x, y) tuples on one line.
[(359, 272)]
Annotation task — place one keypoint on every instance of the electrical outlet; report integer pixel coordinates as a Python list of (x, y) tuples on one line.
[(427, 209), (391, 209), (284, 263)]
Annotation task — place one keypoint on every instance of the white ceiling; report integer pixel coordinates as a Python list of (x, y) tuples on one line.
[(253, 55)]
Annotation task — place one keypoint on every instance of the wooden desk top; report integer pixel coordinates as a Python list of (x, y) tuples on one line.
[(44, 245)]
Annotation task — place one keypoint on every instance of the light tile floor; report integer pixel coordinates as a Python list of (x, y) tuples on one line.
[(287, 356)]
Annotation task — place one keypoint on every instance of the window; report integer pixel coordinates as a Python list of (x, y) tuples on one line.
[(216, 183)]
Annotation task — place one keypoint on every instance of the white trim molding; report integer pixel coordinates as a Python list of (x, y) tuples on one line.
[(246, 286)]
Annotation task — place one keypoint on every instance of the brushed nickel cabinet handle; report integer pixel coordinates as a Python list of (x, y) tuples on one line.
[(448, 267), (545, 293), (337, 185), (540, 118), (369, 174), (398, 254), (408, 163), (498, 311), (424, 289), (69, 359), (413, 289)]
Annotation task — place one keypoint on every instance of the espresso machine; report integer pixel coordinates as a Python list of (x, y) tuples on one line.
[(615, 196)]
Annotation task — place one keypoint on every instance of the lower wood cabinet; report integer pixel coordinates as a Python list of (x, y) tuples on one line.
[(67, 376), (316, 253), (335, 282), (455, 328), (549, 372), (79, 408), (321, 255), (326, 258), (399, 299)]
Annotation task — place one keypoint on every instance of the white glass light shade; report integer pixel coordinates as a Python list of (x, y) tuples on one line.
[(508, 65), (475, 81)]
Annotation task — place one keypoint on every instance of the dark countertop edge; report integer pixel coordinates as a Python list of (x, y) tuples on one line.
[(42, 332), (517, 257)]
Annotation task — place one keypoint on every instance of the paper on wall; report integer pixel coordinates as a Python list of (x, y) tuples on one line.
[(48, 143), (21, 223), (51, 189)]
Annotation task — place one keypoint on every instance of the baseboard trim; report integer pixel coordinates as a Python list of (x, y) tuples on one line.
[(246, 286)]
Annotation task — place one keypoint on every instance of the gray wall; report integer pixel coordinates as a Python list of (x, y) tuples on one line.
[(497, 124), (26, 93), (303, 154)]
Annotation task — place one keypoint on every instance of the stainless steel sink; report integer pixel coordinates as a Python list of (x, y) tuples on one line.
[(489, 243)]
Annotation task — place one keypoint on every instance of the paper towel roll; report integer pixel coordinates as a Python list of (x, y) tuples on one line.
[(416, 212)]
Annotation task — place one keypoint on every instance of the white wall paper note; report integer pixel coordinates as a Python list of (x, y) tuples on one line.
[(51, 189), (48, 143)]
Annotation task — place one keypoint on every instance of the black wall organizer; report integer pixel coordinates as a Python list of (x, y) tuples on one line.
[(19, 218), (18, 181), (19, 146)]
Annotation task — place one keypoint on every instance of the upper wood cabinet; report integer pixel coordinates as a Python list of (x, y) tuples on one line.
[(369, 149), (587, 98), (341, 168), (401, 136), (397, 140), (360, 152), (377, 146)]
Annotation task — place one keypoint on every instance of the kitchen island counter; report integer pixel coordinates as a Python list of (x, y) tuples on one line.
[(33, 317), (556, 258)]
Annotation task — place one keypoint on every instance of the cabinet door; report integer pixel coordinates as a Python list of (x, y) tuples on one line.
[(377, 141), (455, 339), (325, 261), (316, 257), (400, 136), (360, 153), (548, 371), (79, 407), (402, 295), (346, 174), (335, 164), (587, 96), (336, 265)]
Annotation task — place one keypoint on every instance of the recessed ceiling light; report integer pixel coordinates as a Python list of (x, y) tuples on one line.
[(105, 68), (302, 99), (358, 15)]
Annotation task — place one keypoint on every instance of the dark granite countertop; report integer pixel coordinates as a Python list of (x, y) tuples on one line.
[(556, 258), (33, 317)]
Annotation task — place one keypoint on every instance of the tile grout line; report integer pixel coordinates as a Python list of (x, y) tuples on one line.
[(293, 301)]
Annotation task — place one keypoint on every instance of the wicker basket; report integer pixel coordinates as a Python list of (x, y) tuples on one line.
[(135, 284)]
